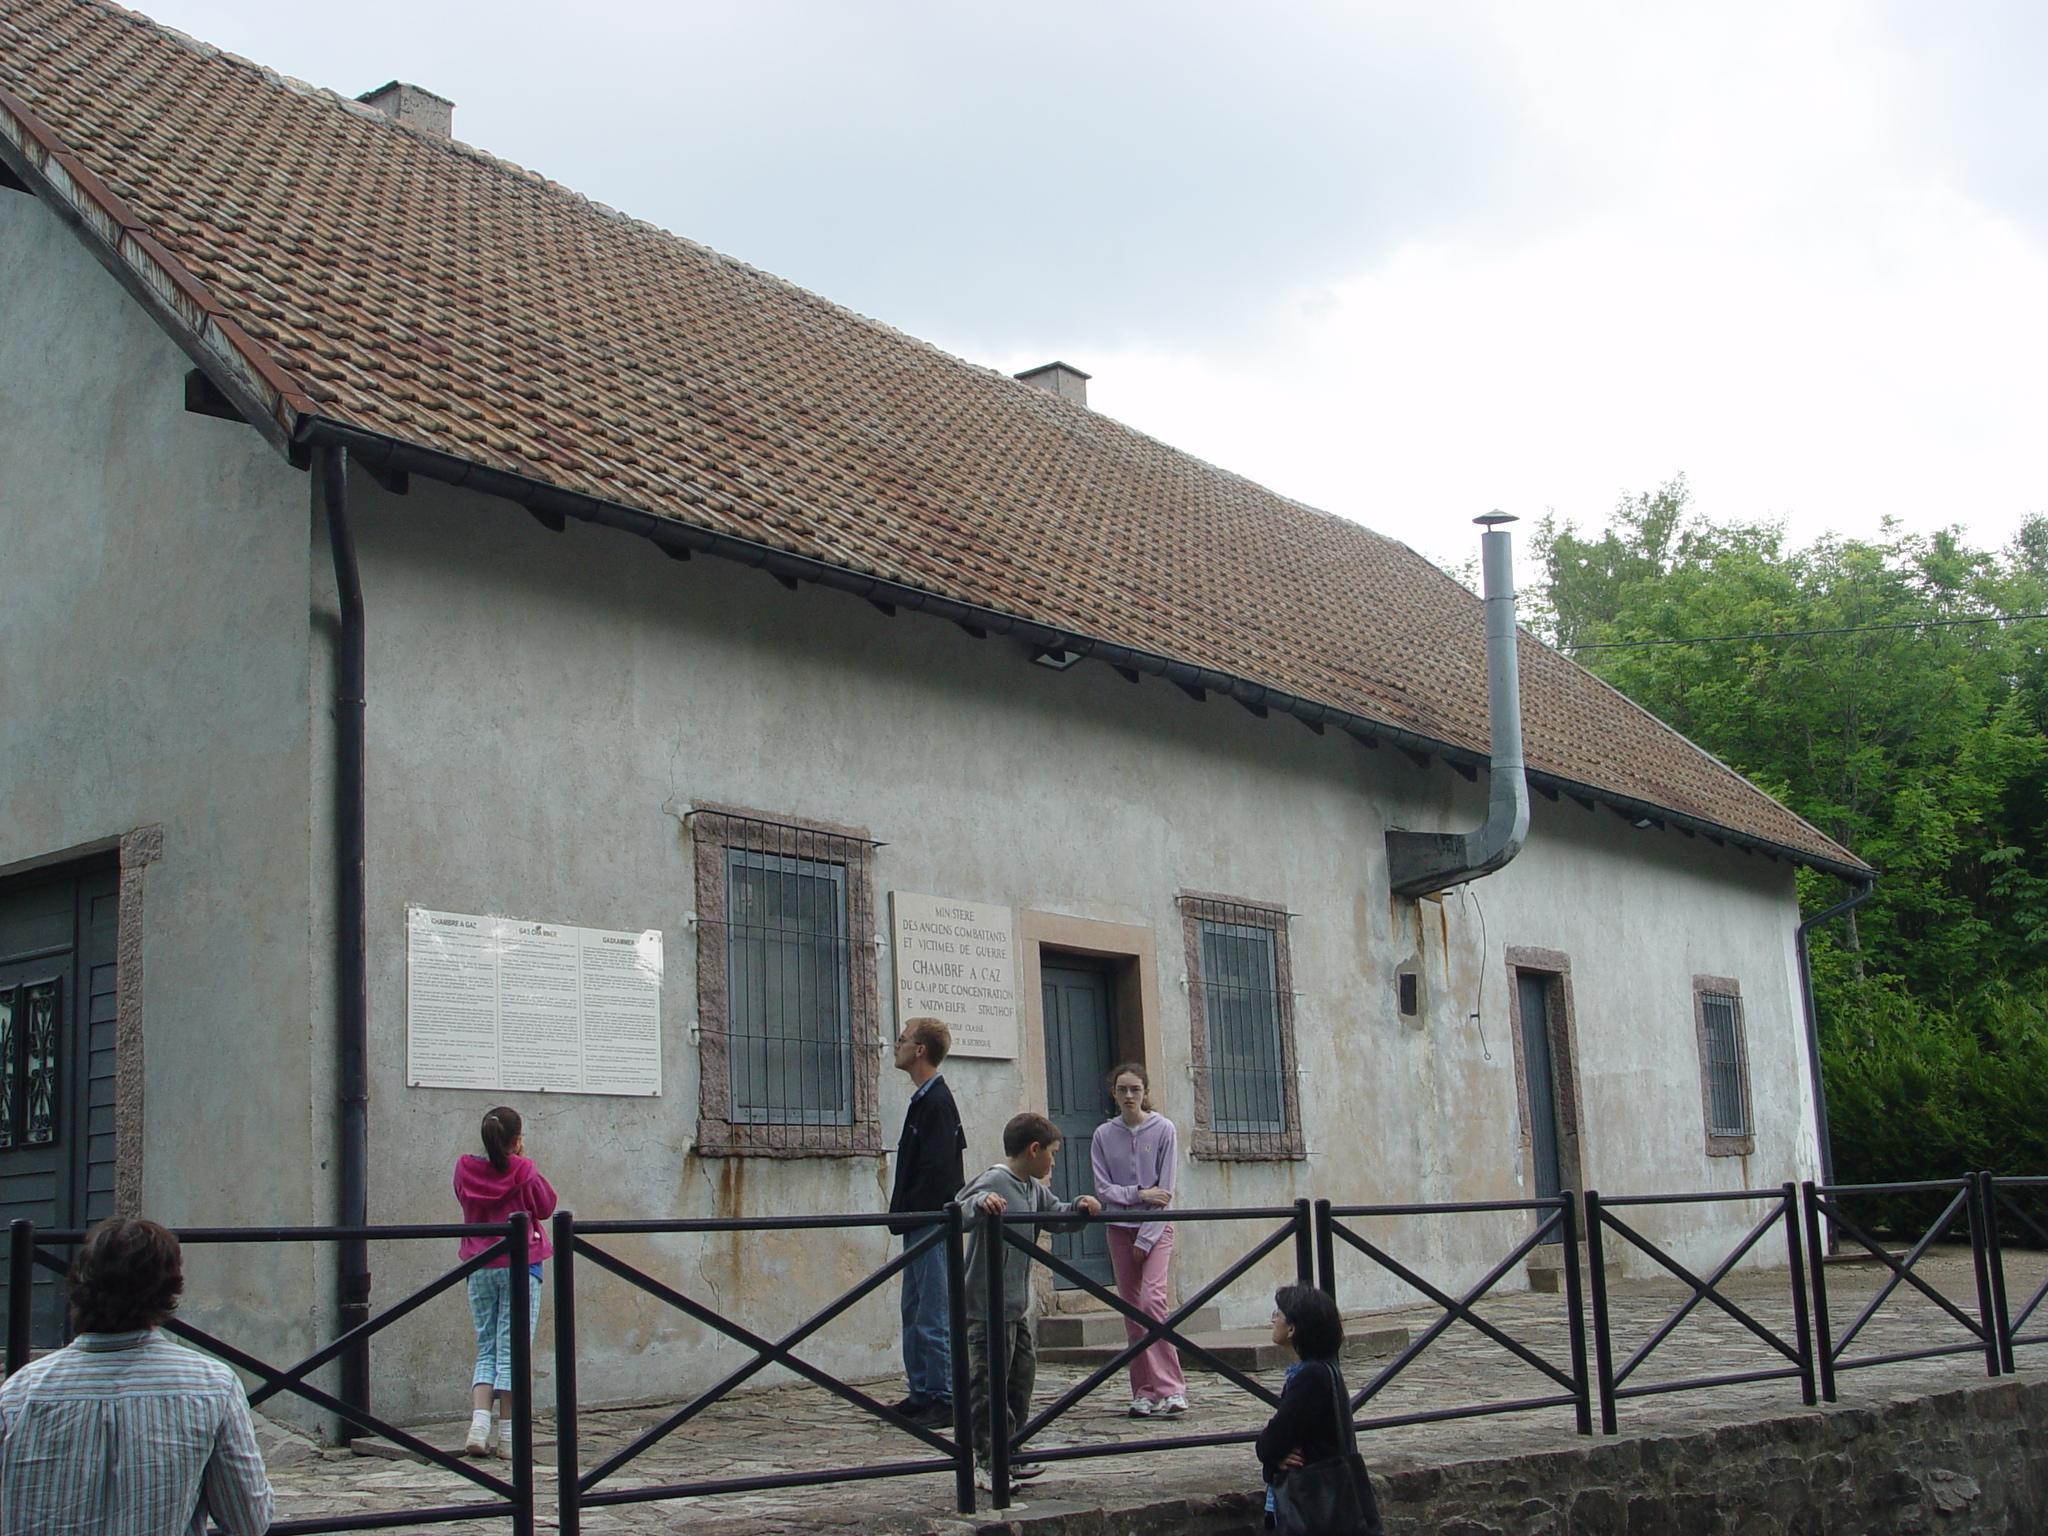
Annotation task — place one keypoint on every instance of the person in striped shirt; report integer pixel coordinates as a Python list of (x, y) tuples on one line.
[(123, 1431)]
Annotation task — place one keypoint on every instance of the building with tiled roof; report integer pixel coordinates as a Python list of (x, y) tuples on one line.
[(932, 708)]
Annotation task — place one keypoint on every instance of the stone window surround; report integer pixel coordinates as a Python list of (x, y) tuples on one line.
[(713, 830), (1723, 986), (1556, 965), (1241, 1146), (134, 851)]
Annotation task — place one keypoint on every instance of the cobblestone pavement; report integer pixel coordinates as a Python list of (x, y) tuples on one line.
[(791, 1427)]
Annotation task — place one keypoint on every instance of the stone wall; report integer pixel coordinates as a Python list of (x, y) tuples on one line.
[(1966, 1460)]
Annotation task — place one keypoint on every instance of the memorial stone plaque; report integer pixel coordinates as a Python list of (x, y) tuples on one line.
[(957, 961)]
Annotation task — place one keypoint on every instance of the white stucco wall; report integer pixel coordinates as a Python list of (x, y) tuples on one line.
[(153, 671), (544, 706)]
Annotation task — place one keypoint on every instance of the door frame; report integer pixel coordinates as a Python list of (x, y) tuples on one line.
[(1130, 953), (130, 853), (1555, 967)]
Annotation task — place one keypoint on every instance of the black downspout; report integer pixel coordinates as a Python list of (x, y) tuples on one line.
[(1820, 1098), (351, 947)]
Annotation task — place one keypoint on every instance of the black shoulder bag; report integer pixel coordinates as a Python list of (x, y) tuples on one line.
[(1331, 1496)]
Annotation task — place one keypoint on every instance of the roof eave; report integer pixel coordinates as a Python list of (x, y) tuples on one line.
[(381, 451), (267, 396)]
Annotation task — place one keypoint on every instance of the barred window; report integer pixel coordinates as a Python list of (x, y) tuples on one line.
[(31, 1018), (1724, 1067), (1241, 1013), (788, 1012)]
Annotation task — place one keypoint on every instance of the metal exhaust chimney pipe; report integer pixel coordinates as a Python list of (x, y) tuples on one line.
[(1419, 863)]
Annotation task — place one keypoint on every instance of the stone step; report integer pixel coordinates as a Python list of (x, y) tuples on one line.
[(1546, 1275), (1244, 1349), (1067, 1330)]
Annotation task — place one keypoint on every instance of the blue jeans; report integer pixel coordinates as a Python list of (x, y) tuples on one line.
[(927, 1355), (490, 1308)]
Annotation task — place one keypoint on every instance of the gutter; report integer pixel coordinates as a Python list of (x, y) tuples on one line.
[(351, 927), (1422, 863), (1864, 886)]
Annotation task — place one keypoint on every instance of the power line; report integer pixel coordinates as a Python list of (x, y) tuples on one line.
[(1802, 634)]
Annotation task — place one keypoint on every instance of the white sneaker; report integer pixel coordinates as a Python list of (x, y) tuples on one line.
[(479, 1441), (503, 1444), (1173, 1407), (1143, 1408)]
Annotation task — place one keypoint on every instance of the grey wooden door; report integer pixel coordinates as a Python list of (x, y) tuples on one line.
[(56, 1063), (1541, 1073), (1080, 1046)]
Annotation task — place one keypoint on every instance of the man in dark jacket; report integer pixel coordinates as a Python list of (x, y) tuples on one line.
[(929, 1172)]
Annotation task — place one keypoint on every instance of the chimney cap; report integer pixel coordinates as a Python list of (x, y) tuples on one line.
[(414, 106), (1062, 379)]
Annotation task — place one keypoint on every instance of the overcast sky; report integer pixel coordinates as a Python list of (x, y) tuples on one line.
[(1404, 263)]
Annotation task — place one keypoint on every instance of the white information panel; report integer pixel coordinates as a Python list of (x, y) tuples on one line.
[(496, 1003), (957, 961)]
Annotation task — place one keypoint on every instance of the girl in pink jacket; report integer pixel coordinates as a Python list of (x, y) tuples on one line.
[(490, 1188)]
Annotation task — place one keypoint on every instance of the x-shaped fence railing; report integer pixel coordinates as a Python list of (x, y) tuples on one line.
[(1782, 1209), (2001, 1200), (510, 1242), (1965, 1200), (1557, 1220), (1002, 1231), (579, 1489), (1813, 1354)]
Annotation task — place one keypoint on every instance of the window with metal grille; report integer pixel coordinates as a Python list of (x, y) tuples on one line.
[(1724, 1067), (1241, 1012), (31, 1028), (788, 1012)]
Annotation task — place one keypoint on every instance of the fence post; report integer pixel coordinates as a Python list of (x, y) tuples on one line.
[(1816, 1270), (1603, 1344), (1987, 1314), (1795, 1265), (1304, 1244), (956, 1327), (996, 1350), (1995, 1251), (519, 1293), (568, 1496), (1575, 1313), (1326, 1248), (21, 1291)]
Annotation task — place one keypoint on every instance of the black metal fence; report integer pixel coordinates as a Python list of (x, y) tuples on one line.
[(1556, 1221), (1781, 1208), (1312, 1235), (578, 1489), (1007, 1442), (511, 1498), (1960, 1199), (2006, 1200)]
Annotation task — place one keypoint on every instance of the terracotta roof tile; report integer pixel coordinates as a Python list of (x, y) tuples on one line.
[(423, 290)]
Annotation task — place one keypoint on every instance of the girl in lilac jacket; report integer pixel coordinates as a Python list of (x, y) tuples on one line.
[(1133, 1158)]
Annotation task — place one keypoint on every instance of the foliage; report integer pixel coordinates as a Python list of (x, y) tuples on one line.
[(1920, 745)]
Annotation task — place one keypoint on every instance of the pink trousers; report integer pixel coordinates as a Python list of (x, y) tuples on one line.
[(1141, 1281)]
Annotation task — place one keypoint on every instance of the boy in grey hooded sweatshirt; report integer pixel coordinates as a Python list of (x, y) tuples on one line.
[(1031, 1144)]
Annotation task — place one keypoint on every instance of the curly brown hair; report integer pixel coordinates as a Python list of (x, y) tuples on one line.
[(128, 1274)]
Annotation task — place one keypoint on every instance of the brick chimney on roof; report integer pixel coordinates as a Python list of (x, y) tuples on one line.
[(415, 108), (1062, 379)]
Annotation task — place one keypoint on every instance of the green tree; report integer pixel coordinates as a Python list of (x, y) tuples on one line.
[(1862, 684)]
